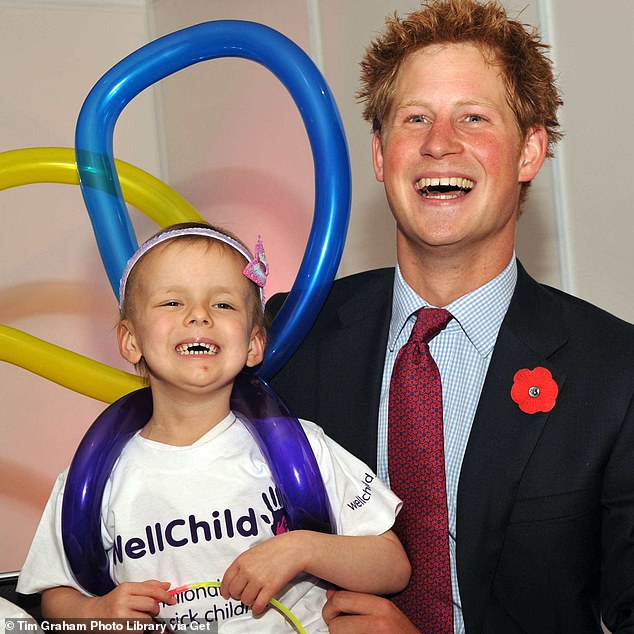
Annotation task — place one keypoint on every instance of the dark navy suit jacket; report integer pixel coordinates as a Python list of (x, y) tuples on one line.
[(545, 523)]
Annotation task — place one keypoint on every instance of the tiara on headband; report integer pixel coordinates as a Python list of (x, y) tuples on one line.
[(257, 268)]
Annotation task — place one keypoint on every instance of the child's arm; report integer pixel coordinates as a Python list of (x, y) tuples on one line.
[(127, 601), (375, 563)]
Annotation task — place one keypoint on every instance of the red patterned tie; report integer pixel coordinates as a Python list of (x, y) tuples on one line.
[(417, 475)]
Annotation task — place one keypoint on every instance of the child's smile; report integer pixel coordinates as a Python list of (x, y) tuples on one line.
[(197, 348), (192, 318)]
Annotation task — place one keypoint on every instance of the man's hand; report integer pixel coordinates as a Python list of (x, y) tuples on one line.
[(357, 613)]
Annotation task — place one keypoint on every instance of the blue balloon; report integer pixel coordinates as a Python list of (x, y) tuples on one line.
[(306, 85), (277, 432)]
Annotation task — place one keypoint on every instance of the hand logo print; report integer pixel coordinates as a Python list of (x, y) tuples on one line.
[(278, 518)]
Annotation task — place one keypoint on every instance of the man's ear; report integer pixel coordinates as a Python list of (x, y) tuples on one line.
[(257, 345), (377, 156), (533, 154), (128, 346)]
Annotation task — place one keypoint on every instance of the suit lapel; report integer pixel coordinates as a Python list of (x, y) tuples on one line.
[(354, 381), (502, 440)]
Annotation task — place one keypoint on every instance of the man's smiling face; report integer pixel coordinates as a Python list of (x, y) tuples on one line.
[(450, 153)]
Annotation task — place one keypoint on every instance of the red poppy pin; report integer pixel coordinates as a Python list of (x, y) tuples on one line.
[(534, 390)]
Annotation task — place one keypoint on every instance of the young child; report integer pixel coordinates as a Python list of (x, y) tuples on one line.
[(191, 498)]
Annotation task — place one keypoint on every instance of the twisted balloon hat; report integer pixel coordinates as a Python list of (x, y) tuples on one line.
[(105, 185)]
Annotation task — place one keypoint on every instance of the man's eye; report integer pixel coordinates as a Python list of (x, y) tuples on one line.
[(417, 118), (475, 118)]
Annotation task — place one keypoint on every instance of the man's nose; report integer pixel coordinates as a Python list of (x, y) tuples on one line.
[(440, 140)]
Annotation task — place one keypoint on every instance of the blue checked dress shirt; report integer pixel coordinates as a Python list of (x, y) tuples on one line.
[(462, 352)]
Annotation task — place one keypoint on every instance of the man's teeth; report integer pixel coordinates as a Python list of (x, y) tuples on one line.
[(444, 188), (446, 181), (196, 348)]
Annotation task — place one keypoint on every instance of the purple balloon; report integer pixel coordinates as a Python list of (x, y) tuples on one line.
[(87, 476), (284, 445), (277, 432)]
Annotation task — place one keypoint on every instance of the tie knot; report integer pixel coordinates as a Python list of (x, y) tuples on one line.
[(429, 322)]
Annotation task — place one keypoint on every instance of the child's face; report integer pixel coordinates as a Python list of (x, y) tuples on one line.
[(192, 318)]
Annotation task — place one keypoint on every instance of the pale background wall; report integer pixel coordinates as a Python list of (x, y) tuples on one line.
[(225, 134)]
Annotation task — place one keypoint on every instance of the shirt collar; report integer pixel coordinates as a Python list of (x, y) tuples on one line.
[(478, 313)]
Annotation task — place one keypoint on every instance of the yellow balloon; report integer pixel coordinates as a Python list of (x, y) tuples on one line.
[(148, 194), (142, 190), (72, 370)]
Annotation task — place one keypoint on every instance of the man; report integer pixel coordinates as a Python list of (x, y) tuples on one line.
[(537, 386)]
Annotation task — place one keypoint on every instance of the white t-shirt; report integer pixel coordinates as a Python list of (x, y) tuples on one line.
[(183, 514)]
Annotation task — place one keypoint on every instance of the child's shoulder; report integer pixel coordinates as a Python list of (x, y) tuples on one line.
[(314, 432), (323, 445)]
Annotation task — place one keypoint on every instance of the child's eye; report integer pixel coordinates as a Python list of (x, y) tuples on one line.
[(171, 303), (223, 306)]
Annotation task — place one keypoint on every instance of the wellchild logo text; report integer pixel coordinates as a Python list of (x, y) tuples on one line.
[(180, 532), (365, 494)]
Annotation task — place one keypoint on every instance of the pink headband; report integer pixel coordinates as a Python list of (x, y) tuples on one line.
[(256, 269)]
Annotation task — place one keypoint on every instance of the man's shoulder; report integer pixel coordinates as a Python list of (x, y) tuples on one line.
[(355, 287), (571, 307), (373, 281), (590, 317), (554, 310)]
